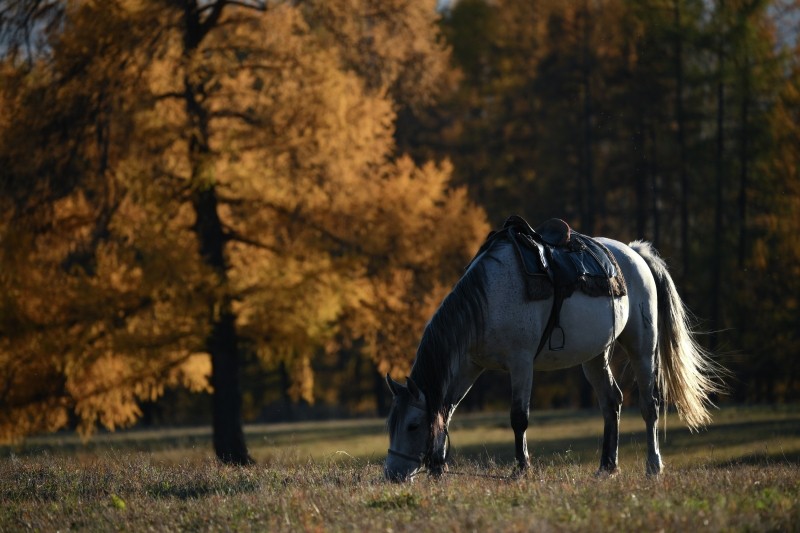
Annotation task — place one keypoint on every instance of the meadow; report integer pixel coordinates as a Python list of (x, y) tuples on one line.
[(741, 474)]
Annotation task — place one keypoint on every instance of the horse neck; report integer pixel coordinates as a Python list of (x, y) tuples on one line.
[(435, 385), (449, 337)]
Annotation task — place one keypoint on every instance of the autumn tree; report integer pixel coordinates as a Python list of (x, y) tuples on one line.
[(257, 151), (96, 313)]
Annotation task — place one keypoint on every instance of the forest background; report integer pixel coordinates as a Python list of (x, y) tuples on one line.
[(268, 200)]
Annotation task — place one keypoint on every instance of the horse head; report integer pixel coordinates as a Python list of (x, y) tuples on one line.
[(417, 438)]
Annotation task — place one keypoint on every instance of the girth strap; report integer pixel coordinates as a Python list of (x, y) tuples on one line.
[(553, 323)]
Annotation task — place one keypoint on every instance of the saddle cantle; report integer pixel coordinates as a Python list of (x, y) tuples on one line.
[(556, 261), (554, 232)]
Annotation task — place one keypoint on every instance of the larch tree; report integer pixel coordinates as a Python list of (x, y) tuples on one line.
[(259, 201), (93, 317)]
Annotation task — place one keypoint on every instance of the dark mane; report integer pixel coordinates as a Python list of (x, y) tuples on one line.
[(453, 329)]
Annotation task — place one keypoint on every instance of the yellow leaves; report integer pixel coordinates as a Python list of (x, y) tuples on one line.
[(293, 307), (194, 373), (333, 238), (108, 389), (38, 416), (101, 395), (392, 44)]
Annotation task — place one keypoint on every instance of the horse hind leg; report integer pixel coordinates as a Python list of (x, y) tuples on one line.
[(642, 356), (609, 397), (648, 405)]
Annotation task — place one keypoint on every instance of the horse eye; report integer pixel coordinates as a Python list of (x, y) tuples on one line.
[(413, 426)]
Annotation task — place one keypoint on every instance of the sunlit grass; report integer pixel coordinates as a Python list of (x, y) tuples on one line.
[(742, 474)]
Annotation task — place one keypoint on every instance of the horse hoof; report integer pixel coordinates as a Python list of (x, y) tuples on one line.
[(520, 472), (604, 473), (653, 471), (438, 471)]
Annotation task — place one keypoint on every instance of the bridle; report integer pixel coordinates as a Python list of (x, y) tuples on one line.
[(423, 459), (418, 459)]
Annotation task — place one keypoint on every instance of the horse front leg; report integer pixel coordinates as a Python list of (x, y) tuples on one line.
[(521, 384), (519, 423)]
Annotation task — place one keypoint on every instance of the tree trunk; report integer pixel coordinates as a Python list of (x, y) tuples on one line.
[(229, 443), (652, 169), (744, 160), (681, 140), (718, 238), (640, 178), (222, 343)]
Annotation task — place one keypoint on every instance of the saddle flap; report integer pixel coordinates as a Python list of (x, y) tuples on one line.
[(533, 256)]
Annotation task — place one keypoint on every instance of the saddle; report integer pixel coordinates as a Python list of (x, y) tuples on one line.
[(556, 261)]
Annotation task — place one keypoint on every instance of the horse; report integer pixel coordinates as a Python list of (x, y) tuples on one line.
[(487, 322)]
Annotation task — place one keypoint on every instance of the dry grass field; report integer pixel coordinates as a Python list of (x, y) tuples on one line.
[(742, 474)]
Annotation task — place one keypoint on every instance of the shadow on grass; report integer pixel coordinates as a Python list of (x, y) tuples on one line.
[(572, 450), (761, 459), (757, 441), (678, 442), (191, 490), (154, 440)]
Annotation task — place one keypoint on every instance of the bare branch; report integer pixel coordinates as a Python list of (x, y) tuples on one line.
[(245, 117), (172, 94)]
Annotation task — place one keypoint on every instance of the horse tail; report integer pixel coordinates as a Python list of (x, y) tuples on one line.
[(686, 374)]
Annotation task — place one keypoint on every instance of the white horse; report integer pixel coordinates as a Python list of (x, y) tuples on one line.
[(487, 322)]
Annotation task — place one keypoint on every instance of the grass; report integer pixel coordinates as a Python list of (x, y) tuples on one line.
[(742, 474)]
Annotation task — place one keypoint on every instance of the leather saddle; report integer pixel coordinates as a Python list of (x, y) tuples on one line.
[(557, 261), (566, 257)]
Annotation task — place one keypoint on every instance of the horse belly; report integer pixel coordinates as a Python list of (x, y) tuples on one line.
[(590, 325)]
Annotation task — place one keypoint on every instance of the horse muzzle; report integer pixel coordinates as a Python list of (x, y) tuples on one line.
[(400, 467)]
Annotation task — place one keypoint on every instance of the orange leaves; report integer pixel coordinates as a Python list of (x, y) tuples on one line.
[(331, 238), (108, 389)]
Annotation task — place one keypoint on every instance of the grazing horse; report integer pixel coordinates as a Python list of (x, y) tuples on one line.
[(488, 322)]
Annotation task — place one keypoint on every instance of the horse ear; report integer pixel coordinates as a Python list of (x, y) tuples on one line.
[(394, 386), (413, 389)]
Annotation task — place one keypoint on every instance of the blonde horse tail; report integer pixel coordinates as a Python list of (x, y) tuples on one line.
[(686, 374)]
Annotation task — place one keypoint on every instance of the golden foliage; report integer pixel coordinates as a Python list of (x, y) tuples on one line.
[(331, 236)]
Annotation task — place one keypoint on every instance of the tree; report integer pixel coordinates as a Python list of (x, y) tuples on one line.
[(265, 165)]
